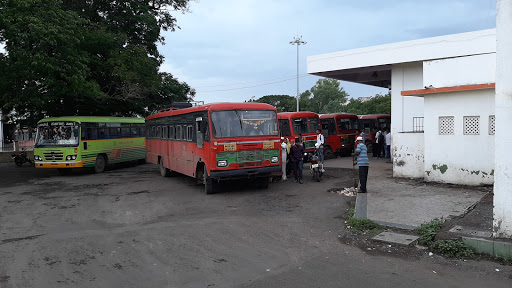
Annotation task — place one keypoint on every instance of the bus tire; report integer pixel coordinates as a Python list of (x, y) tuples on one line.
[(264, 182), (101, 163), (165, 172), (328, 153), (209, 187), (369, 147)]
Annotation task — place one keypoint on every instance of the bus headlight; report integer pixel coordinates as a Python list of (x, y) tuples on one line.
[(38, 158), (222, 163), (274, 159), (71, 157)]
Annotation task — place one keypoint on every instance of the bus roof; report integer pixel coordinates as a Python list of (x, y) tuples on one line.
[(287, 115), (338, 116), (215, 107), (374, 116), (106, 119)]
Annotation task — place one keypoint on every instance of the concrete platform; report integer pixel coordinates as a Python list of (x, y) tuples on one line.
[(396, 238), (406, 203)]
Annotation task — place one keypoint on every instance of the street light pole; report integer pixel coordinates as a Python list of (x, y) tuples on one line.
[(298, 41)]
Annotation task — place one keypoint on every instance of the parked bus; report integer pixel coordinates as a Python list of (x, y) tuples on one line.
[(88, 141), (370, 122), (216, 142), (340, 130), (293, 124)]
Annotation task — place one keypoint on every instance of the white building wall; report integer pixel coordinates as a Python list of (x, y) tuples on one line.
[(470, 70), (407, 149), (459, 158)]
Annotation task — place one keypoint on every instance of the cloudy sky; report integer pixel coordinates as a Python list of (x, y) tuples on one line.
[(231, 50)]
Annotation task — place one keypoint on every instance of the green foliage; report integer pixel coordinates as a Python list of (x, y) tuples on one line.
[(86, 57), (453, 249), (361, 225), (283, 103), (428, 231), (327, 96), (379, 104)]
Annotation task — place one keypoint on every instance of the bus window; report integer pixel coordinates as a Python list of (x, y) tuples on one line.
[(384, 123), (125, 132), (284, 126), (115, 132), (328, 125), (300, 125), (92, 133), (103, 133), (178, 132), (171, 132), (134, 131), (343, 124), (190, 132), (313, 124)]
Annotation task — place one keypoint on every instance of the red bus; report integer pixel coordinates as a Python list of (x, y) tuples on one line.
[(216, 142), (293, 124), (340, 131), (370, 122)]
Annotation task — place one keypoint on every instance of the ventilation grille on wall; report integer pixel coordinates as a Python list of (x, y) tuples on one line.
[(471, 125), (446, 125), (491, 124)]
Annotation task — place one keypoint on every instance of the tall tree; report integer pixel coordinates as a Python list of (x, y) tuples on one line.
[(379, 104), (328, 96), (283, 103), (86, 57)]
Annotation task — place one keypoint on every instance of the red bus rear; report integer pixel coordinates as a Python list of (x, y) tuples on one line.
[(216, 142), (340, 130), (293, 124), (370, 122)]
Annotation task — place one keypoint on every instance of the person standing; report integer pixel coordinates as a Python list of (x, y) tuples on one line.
[(388, 143), (284, 153), (297, 156), (363, 163), (320, 141), (379, 142)]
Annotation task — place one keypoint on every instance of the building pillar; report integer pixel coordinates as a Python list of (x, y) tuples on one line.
[(502, 224)]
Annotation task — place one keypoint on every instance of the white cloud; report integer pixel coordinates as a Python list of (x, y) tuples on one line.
[(227, 41)]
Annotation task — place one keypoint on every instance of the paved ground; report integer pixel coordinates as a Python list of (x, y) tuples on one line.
[(408, 203), (129, 227)]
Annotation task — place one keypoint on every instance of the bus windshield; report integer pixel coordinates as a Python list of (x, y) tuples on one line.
[(240, 123), (348, 124), (60, 133)]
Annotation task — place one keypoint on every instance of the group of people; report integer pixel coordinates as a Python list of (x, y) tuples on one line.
[(293, 156), (382, 145)]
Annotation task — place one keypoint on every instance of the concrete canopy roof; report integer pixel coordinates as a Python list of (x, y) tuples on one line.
[(372, 65)]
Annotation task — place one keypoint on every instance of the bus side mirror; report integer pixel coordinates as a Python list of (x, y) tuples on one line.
[(85, 145)]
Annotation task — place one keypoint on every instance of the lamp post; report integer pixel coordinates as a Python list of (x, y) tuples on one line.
[(298, 41)]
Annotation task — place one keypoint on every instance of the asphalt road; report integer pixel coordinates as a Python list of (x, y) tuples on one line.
[(130, 227)]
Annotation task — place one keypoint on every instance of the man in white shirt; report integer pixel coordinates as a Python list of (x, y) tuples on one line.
[(388, 143), (320, 141)]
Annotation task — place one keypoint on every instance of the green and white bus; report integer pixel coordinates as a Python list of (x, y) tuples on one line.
[(88, 141)]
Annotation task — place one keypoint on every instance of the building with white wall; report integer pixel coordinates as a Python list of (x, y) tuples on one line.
[(442, 101)]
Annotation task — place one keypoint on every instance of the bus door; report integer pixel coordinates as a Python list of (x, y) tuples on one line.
[(284, 128)]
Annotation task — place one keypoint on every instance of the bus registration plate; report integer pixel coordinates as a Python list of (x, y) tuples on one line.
[(230, 147), (268, 145)]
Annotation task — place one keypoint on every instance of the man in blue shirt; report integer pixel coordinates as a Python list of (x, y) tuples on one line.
[(363, 163)]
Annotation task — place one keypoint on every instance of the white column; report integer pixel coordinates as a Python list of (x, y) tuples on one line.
[(502, 225)]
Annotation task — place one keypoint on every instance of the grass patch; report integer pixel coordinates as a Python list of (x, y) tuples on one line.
[(453, 249), (360, 225), (428, 231)]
